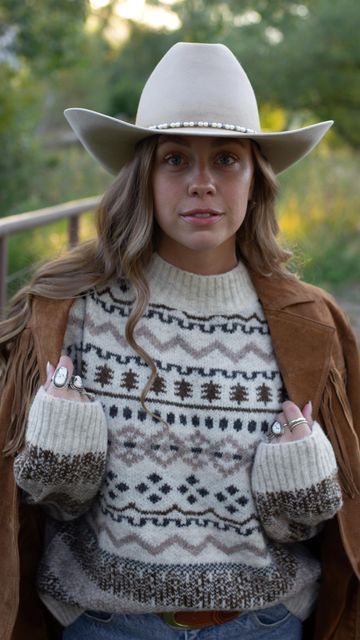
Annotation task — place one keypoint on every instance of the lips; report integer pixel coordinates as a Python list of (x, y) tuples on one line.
[(201, 213), (201, 217)]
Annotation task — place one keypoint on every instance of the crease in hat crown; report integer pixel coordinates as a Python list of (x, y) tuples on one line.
[(198, 83), (196, 89)]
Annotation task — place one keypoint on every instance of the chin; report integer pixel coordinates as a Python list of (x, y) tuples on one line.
[(198, 248), (202, 244)]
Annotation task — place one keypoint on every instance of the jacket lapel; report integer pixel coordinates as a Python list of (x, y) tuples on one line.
[(302, 344), (48, 323)]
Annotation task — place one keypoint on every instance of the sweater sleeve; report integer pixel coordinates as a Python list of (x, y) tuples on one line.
[(295, 486), (63, 462)]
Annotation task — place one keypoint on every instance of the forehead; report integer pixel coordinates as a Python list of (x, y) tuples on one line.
[(212, 141)]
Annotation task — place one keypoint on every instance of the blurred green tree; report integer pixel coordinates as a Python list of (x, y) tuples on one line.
[(317, 66), (300, 55), (36, 39), (47, 33), (132, 65), (303, 56)]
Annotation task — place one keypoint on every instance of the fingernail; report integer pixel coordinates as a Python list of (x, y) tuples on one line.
[(310, 405), (48, 369)]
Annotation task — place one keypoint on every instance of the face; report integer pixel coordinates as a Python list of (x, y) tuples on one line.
[(201, 188)]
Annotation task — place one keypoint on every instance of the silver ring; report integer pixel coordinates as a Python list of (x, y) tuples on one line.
[(76, 384), (294, 423), (276, 430), (60, 377)]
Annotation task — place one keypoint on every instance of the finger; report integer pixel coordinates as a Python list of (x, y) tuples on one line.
[(281, 417), (307, 413), (65, 361), (293, 412), (49, 372), (66, 392), (63, 392)]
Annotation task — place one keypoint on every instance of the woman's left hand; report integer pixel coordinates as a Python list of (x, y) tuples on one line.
[(292, 412)]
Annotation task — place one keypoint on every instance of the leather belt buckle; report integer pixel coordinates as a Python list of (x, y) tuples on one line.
[(186, 620), (169, 618)]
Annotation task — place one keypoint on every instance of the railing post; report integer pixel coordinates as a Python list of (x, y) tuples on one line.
[(73, 231), (10, 225), (3, 273)]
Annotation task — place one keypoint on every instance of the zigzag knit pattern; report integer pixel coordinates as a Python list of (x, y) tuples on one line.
[(190, 510)]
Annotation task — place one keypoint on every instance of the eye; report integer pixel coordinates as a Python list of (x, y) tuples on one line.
[(226, 158), (174, 159)]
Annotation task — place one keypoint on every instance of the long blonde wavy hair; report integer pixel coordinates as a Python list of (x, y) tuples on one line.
[(126, 239)]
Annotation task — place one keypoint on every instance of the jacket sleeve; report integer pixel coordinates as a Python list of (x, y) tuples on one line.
[(295, 486), (339, 410)]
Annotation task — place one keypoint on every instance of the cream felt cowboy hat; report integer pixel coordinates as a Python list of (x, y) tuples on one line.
[(197, 90)]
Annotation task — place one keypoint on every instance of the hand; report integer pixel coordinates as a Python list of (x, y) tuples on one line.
[(291, 412), (64, 392)]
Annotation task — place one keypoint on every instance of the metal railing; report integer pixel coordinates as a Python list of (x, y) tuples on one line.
[(30, 219)]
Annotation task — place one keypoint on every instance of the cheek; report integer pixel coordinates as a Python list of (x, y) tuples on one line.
[(241, 192), (161, 193), (244, 185), (155, 189)]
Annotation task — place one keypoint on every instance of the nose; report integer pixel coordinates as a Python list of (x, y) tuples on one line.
[(201, 183)]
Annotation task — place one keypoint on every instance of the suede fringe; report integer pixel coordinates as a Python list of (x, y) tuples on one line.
[(22, 376), (343, 437)]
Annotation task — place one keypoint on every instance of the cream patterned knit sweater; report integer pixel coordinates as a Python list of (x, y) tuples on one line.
[(197, 511)]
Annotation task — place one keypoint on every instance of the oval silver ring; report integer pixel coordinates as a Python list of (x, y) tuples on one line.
[(60, 377)]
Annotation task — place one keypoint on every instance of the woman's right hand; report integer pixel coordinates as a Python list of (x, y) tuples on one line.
[(64, 392)]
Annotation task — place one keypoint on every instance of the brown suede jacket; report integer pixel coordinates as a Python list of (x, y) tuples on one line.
[(318, 358)]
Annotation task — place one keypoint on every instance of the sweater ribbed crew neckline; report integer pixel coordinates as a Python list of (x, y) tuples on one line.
[(222, 294)]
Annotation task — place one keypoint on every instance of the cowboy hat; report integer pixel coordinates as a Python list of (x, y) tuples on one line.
[(198, 90)]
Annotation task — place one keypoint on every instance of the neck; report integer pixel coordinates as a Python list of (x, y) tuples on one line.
[(205, 263)]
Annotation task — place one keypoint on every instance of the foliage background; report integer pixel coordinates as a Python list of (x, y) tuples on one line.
[(303, 60)]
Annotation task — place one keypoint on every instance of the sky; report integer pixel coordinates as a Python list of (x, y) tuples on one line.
[(139, 11)]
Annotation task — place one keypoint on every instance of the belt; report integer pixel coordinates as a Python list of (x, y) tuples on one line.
[(197, 619)]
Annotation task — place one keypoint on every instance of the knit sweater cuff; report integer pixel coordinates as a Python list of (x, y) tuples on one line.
[(61, 425), (288, 466)]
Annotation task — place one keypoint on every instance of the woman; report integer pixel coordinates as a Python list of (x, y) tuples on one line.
[(188, 487)]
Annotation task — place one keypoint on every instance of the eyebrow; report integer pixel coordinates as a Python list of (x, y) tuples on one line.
[(216, 141)]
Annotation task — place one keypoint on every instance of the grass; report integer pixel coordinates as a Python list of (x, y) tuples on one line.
[(319, 220)]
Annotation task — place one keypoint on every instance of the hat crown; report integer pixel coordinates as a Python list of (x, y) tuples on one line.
[(198, 82)]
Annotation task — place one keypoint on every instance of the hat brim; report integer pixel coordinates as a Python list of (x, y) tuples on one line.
[(112, 141)]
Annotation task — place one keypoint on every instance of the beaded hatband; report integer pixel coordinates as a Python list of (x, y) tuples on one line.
[(201, 123)]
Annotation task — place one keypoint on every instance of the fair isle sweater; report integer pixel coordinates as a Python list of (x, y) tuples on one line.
[(191, 511)]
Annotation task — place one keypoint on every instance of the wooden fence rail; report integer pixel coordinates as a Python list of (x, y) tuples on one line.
[(30, 219)]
